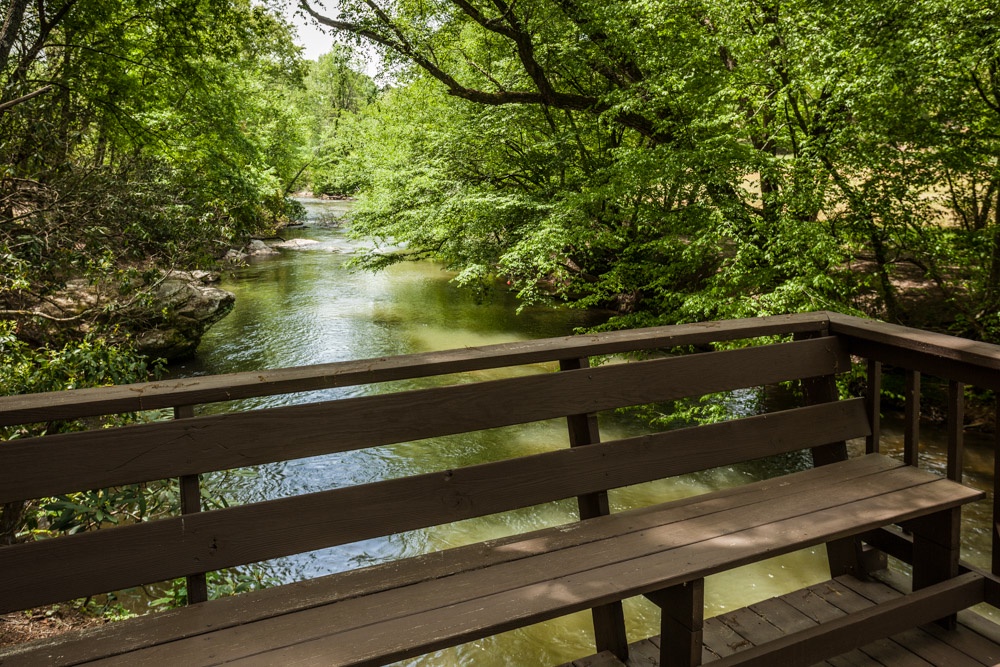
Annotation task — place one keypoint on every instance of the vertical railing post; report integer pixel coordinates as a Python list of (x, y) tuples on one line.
[(911, 429), (190, 489), (609, 619), (956, 420), (844, 555), (996, 488), (873, 404)]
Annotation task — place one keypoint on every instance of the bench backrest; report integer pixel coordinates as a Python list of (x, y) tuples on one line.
[(121, 557)]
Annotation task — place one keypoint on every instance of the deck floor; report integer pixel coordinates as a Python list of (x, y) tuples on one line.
[(974, 643)]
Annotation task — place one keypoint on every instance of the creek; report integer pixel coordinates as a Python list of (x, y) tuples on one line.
[(305, 306)]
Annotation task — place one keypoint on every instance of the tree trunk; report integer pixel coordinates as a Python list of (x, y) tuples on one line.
[(11, 27), (888, 291), (11, 516), (993, 280)]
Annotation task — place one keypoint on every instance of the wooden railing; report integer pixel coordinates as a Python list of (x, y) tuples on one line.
[(959, 362), (184, 395), (916, 353)]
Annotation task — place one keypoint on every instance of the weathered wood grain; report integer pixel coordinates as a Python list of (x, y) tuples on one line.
[(579, 576), (427, 617), (609, 621), (290, 598), (935, 354), (187, 391), (861, 627), (223, 538), (51, 465)]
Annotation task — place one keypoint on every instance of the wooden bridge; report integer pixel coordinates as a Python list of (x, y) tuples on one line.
[(862, 508)]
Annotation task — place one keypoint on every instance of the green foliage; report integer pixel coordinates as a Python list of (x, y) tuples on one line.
[(139, 134), (93, 361), (675, 161), (222, 583), (333, 101)]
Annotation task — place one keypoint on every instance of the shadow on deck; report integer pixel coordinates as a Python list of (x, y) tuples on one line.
[(974, 642)]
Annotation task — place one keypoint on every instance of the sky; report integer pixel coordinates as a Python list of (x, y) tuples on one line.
[(314, 41)]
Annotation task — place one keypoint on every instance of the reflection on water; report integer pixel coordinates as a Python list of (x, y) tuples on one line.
[(305, 307)]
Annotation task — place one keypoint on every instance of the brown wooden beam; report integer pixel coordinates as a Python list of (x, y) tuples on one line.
[(190, 491), (852, 631), (28, 408), (956, 430), (911, 428), (682, 623), (609, 619), (936, 354), (50, 465), (873, 403)]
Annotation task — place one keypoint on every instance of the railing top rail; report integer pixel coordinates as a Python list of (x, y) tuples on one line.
[(937, 354), (78, 403)]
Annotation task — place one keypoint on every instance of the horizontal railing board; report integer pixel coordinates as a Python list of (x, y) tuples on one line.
[(50, 465), (224, 538), (78, 403), (936, 354), (693, 537)]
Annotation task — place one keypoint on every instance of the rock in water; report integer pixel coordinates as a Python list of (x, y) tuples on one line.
[(257, 248), (168, 317), (296, 244), (187, 306)]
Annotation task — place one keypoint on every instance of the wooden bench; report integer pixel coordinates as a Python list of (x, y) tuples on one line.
[(411, 606)]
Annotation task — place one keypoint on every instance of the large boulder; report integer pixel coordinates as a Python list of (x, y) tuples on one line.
[(168, 316), (186, 305)]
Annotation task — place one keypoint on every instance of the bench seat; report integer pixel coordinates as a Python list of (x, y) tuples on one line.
[(409, 607)]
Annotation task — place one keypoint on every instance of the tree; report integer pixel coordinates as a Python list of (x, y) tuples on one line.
[(702, 159), (137, 135)]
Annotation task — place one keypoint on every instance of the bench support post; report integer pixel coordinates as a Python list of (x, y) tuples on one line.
[(936, 546), (609, 619), (682, 623)]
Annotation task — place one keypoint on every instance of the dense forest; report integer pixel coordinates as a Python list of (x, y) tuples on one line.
[(677, 161), (663, 160)]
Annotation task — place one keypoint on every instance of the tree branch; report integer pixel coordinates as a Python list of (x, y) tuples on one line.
[(24, 98)]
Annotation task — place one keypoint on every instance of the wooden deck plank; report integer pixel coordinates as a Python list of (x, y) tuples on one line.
[(782, 615), (67, 462), (968, 641), (855, 658), (842, 597), (721, 639), (602, 659), (889, 653), (444, 617), (811, 603), (802, 609), (975, 636), (813, 606), (751, 626), (645, 653), (867, 625), (933, 651)]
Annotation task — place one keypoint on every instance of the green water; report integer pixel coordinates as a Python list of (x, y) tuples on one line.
[(305, 307)]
